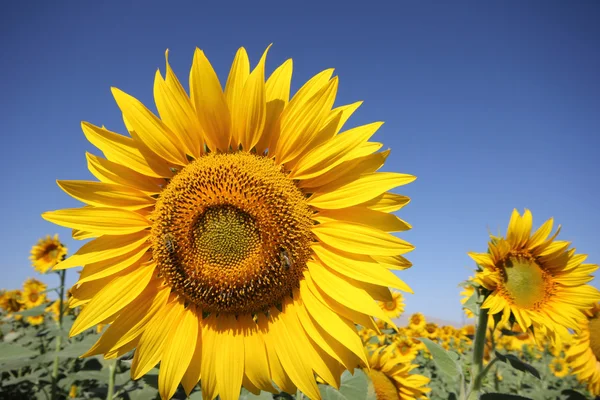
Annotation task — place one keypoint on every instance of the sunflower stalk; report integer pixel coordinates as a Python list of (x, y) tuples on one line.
[(61, 290), (478, 372), (112, 372)]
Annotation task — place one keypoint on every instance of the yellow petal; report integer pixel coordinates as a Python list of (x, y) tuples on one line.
[(151, 344), (238, 74), (104, 248), (363, 189), (289, 352), (365, 149), (332, 125), (209, 355), (104, 268), (110, 172), (256, 364), (333, 152), (278, 373), (108, 221), (339, 289), (131, 321), (300, 121), (149, 129), (210, 103), (361, 268), (177, 112), (277, 93), (345, 173), (229, 365), (328, 343), (360, 239), (123, 150), (541, 234), (82, 235), (113, 297), (107, 194), (176, 354), (192, 374), (340, 328), (387, 202), (365, 216), (250, 112)]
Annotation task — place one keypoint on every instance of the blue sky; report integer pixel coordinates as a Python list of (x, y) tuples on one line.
[(492, 105)]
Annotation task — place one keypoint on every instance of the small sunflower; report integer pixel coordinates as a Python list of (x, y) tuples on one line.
[(535, 279), (392, 378), (431, 331), (417, 322), (240, 236), (395, 307), (33, 293), (406, 348), (583, 355), (35, 320), (46, 253), (12, 301), (559, 367)]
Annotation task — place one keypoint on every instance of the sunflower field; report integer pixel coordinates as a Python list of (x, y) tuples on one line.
[(241, 244)]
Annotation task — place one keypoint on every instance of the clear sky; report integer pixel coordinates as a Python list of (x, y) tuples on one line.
[(492, 105)]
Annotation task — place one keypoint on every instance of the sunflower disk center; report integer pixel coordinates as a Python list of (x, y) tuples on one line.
[(226, 236), (524, 282), (232, 233)]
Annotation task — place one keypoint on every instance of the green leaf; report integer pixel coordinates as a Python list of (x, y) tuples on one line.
[(572, 395), (246, 395), (518, 364), (355, 386), (195, 396), (151, 378), (471, 303), (502, 396), (10, 351), (35, 311), (441, 358)]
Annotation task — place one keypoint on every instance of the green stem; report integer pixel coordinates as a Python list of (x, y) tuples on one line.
[(61, 274), (112, 372), (478, 352)]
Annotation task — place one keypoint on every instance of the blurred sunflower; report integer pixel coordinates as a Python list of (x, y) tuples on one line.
[(46, 253), (406, 348), (33, 293), (417, 322), (431, 331), (35, 320), (395, 307), (392, 378), (11, 301), (559, 367), (535, 279), (583, 355), (240, 236)]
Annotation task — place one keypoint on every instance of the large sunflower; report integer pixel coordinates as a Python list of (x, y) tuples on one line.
[(46, 253), (584, 354), (392, 378), (240, 236), (535, 279)]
